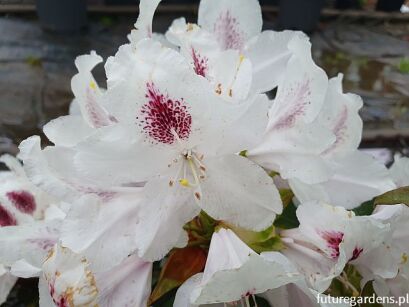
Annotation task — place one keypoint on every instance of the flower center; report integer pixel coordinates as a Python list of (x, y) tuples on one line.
[(163, 119), (190, 171)]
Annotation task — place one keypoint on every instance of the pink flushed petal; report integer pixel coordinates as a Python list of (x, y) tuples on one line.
[(200, 63), (43, 244), (104, 195), (334, 239), (163, 119), (297, 97), (24, 201), (339, 130), (228, 32), (96, 114), (6, 218)]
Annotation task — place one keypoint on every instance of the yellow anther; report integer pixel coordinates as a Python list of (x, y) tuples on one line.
[(93, 85), (184, 182), (404, 258), (241, 58)]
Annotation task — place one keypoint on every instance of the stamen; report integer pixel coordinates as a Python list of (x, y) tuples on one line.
[(197, 195), (184, 182), (193, 168), (172, 181), (247, 301), (199, 162), (242, 57)]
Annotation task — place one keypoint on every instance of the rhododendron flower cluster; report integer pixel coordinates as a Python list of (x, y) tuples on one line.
[(219, 167)]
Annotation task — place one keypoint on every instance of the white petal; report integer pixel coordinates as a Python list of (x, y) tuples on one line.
[(39, 171), (357, 178), (6, 284), (295, 153), (29, 242), (340, 114), (143, 26), (13, 164), (301, 92), (53, 170), (166, 209), (67, 130), (293, 295), (87, 93), (23, 269), (232, 75), (318, 269), (233, 23), (240, 192), (243, 133), (161, 38), (400, 171), (229, 261), (44, 293), (91, 227), (269, 55), (339, 234), (128, 284), (113, 158), (184, 292), (18, 196), (70, 281)]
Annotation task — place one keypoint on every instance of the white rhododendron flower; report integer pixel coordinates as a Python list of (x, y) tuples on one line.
[(228, 48), (295, 138), (179, 137), (231, 259), (347, 185), (327, 239), (22, 207), (69, 280), (220, 164)]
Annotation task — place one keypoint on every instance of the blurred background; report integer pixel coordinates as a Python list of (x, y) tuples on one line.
[(366, 40)]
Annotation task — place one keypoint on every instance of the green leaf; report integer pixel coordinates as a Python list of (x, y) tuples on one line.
[(286, 196), (261, 302), (369, 293), (261, 241), (23, 294), (347, 284), (166, 300), (288, 219), (398, 196), (366, 208)]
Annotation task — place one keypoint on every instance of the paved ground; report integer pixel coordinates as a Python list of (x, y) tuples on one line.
[(36, 68)]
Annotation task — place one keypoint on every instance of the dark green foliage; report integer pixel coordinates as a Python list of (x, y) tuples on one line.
[(288, 219), (24, 294), (365, 208)]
